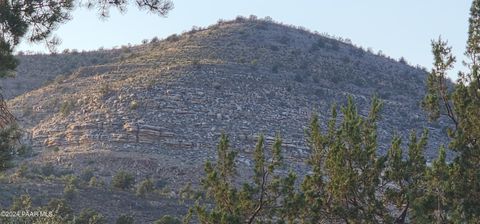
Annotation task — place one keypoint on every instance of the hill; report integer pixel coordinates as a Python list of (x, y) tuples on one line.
[(158, 109)]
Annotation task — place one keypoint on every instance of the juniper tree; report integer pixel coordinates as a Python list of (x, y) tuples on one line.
[(461, 104)]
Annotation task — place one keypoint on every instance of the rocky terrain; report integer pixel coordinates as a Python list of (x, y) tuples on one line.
[(157, 110)]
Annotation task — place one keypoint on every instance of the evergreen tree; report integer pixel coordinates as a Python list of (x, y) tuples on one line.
[(268, 197), (405, 176), (346, 171), (8, 142), (461, 104)]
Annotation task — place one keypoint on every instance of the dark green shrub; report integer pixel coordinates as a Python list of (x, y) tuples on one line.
[(66, 107), (125, 219), (48, 169), (173, 38), (22, 170), (86, 174), (95, 182), (70, 189), (89, 216), (144, 187), (123, 180), (60, 208), (8, 141), (24, 150), (275, 68), (298, 78), (167, 219)]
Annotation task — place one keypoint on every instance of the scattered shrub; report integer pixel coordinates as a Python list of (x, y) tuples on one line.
[(173, 38), (21, 203), (22, 170), (317, 46), (66, 107), (125, 219), (86, 174), (144, 187), (24, 150), (133, 105), (55, 148), (61, 209), (90, 216), (70, 189), (167, 219), (94, 182), (274, 48), (298, 78), (48, 169), (8, 138), (275, 68), (105, 89), (289, 89), (123, 180), (154, 40)]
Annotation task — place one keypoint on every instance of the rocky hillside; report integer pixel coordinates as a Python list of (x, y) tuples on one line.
[(38, 70), (158, 110)]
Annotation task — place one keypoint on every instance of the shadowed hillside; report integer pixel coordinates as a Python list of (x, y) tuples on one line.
[(39, 69)]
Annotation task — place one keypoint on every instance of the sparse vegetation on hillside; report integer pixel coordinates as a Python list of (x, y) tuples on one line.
[(349, 183), (9, 137), (123, 180), (156, 109)]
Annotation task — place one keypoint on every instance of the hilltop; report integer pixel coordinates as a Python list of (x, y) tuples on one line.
[(158, 109)]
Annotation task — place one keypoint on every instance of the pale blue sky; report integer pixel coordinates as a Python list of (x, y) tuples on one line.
[(397, 27)]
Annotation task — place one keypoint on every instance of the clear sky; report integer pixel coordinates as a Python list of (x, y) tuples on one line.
[(397, 27)]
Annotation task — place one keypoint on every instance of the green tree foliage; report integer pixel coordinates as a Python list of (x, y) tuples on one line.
[(144, 187), (267, 197), (166, 219), (348, 182), (125, 219), (346, 171), (123, 180), (56, 211), (455, 197), (405, 175), (8, 141), (89, 216), (70, 189)]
